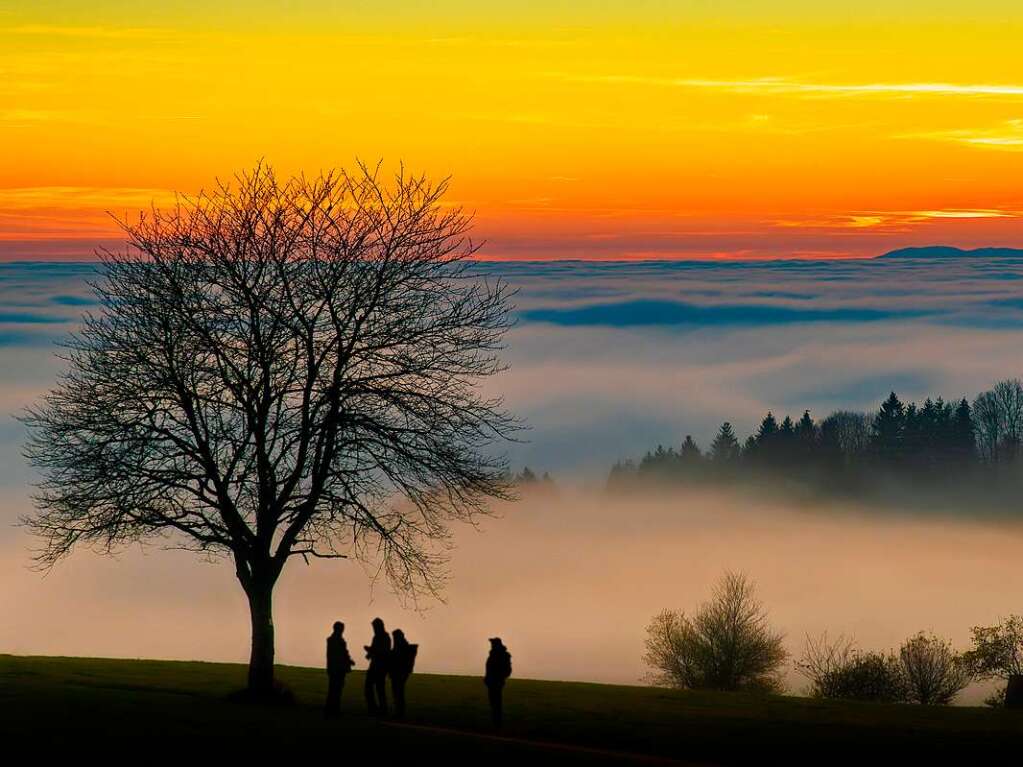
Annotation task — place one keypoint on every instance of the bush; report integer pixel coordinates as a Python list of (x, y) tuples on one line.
[(997, 653), (837, 669), (934, 673), (726, 645), (926, 670)]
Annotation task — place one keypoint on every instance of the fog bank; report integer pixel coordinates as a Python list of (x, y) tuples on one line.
[(569, 582)]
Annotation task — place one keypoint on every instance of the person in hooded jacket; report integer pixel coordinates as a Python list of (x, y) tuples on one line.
[(403, 659), (498, 669)]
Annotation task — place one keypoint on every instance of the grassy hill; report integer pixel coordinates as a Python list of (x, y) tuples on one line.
[(73, 701)]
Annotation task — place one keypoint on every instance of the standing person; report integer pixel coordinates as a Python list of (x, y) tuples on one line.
[(497, 672), (403, 659), (339, 663), (378, 652)]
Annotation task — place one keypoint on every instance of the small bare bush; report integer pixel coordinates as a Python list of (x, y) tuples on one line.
[(934, 673), (727, 644), (838, 669)]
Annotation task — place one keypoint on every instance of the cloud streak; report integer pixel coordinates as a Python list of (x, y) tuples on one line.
[(779, 86)]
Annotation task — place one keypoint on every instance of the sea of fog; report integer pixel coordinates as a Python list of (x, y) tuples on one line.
[(607, 360)]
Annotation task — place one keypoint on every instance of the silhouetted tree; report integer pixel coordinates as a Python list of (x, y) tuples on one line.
[(962, 438), (914, 435), (690, 459), (660, 465), (845, 436), (527, 477), (888, 432), (998, 419), (934, 673), (997, 653), (768, 428), (806, 429), (280, 369), (761, 448), (622, 476), (725, 449), (727, 644), (690, 451)]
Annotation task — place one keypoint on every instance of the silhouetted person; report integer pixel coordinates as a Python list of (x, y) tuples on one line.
[(403, 659), (339, 663), (497, 672), (378, 652)]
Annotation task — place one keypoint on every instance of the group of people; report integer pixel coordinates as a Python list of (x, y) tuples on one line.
[(391, 655)]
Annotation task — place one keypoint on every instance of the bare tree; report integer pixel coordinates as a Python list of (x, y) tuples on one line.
[(847, 433), (933, 671), (998, 417), (726, 645), (281, 369)]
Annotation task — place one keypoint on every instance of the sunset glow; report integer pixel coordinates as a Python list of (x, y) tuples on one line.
[(574, 130)]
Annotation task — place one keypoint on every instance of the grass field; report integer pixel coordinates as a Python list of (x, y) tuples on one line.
[(76, 701)]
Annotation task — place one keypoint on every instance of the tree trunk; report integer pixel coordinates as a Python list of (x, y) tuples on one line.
[(261, 660)]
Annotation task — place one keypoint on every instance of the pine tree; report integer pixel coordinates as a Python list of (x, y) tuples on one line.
[(749, 447), (964, 436), (725, 450), (889, 431), (768, 428), (690, 451), (807, 443), (806, 429), (766, 444), (913, 435)]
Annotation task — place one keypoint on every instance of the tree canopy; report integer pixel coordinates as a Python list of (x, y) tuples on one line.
[(281, 368)]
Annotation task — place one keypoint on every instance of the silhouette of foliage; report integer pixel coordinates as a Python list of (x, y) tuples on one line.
[(725, 451), (727, 644), (934, 673), (281, 369), (997, 653), (998, 415), (837, 669), (925, 670), (904, 452), (527, 481)]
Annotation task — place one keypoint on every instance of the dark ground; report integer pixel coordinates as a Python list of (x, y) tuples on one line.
[(116, 706)]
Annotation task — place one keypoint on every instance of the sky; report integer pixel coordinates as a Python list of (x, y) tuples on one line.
[(599, 130)]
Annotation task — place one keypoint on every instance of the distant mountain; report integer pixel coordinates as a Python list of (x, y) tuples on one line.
[(946, 251)]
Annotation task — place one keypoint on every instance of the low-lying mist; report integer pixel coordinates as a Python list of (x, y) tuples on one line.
[(569, 580)]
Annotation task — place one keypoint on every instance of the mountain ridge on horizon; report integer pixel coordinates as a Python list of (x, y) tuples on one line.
[(950, 251)]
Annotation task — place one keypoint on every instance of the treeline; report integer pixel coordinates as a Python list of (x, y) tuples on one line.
[(935, 444)]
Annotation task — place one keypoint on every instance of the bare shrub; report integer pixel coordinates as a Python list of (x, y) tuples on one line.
[(838, 669), (727, 644), (934, 673)]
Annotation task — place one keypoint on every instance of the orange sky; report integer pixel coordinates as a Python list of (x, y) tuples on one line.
[(637, 129)]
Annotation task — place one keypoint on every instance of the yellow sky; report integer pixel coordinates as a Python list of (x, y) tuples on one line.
[(608, 130)]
